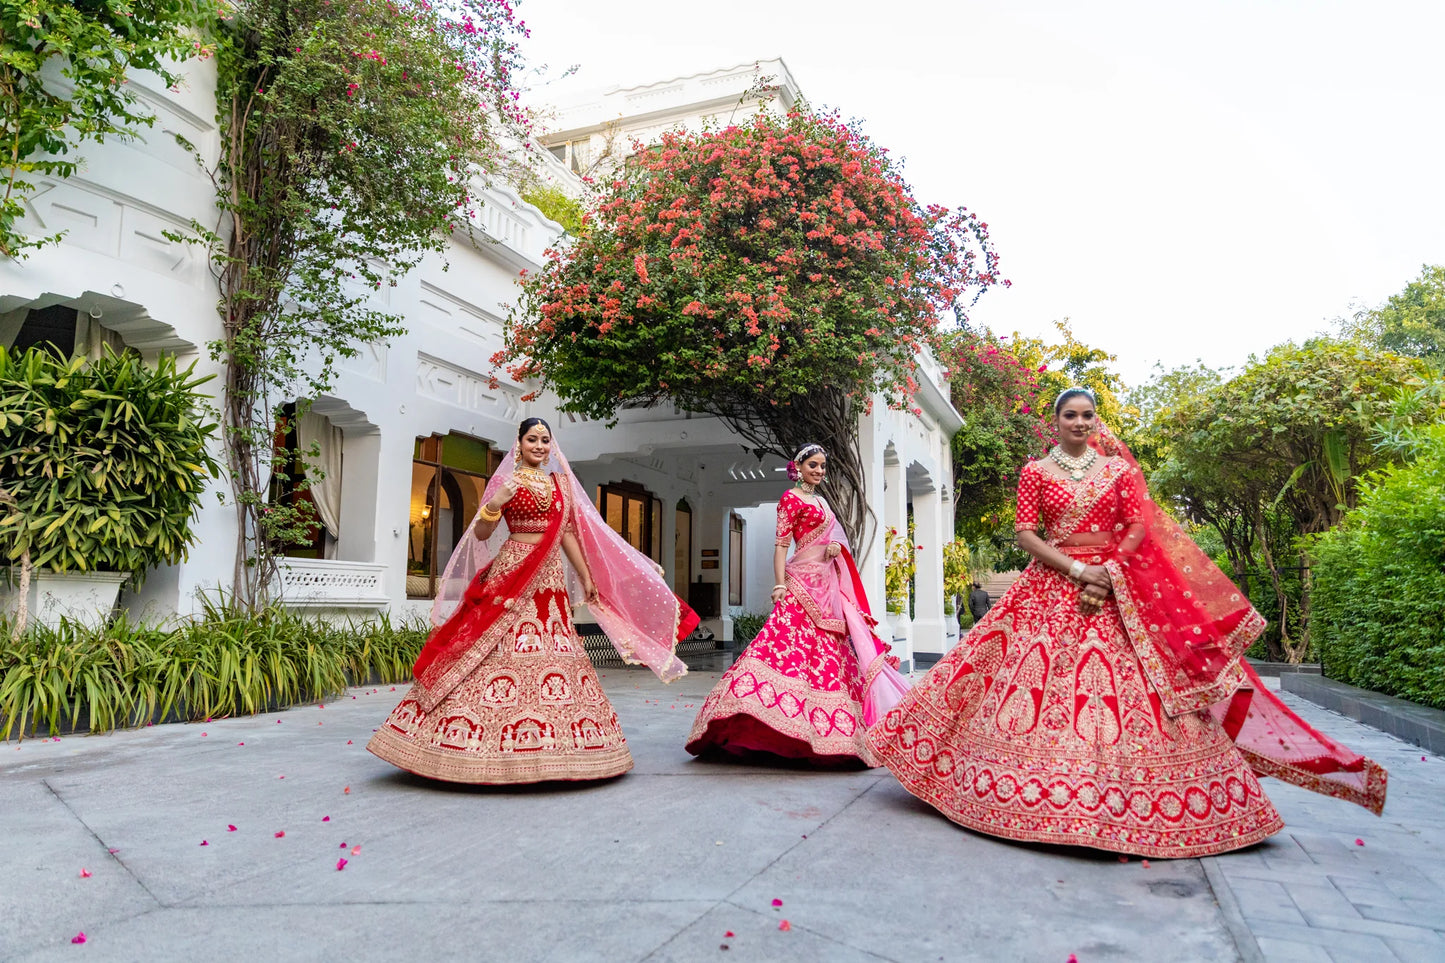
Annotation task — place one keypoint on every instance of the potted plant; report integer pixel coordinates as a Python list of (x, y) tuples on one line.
[(104, 462)]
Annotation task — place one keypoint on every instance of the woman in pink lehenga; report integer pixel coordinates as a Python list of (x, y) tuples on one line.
[(1104, 700), (505, 692), (816, 674)]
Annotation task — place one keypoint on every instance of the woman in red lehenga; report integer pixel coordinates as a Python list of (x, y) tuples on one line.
[(505, 692), (816, 674), (1104, 700)]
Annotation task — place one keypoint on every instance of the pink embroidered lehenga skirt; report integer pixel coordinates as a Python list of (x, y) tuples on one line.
[(531, 710), (1042, 726), (795, 692)]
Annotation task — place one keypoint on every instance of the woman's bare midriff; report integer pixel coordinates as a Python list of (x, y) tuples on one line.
[(526, 538)]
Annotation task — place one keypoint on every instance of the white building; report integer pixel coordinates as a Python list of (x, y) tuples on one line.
[(414, 425)]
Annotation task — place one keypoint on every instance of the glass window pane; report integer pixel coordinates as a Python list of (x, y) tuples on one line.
[(735, 562), (419, 562), (612, 510), (635, 508), (682, 553)]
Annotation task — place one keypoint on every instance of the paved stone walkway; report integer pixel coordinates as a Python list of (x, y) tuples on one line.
[(672, 862)]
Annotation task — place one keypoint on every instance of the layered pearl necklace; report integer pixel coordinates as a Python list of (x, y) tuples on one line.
[(1076, 467)]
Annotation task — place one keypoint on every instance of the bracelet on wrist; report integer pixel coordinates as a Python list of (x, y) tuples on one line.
[(1076, 570), (490, 514)]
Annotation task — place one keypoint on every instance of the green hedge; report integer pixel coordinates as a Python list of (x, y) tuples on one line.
[(224, 664), (1378, 616)]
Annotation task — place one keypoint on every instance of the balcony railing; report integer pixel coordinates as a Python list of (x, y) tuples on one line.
[(331, 584)]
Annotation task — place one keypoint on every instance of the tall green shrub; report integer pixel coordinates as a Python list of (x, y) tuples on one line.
[(1379, 593), (106, 460)]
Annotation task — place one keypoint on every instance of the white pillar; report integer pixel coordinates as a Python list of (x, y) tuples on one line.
[(930, 532), (895, 516)]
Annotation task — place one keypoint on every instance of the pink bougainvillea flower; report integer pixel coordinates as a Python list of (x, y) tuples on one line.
[(84, 873), (204, 843), (785, 926), (777, 902), (340, 865), (78, 938), (1146, 864), (280, 833), (1359, 842), (230, 828), (326, 819)]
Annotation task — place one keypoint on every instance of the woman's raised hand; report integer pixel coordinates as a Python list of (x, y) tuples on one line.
[(503, 495)]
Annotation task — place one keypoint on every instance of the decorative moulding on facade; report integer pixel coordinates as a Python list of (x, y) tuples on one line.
[(330, 584), (439, 380)]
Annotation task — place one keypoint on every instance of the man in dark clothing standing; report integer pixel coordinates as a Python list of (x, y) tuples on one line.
[(978, 602)]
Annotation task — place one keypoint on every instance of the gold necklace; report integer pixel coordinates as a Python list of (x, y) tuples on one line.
[(806, 489), (1078, 466), (536, 480)]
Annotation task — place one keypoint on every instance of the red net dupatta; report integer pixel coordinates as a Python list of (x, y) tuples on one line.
[(1190, 626)]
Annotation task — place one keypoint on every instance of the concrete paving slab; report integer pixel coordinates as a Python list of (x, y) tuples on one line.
[(658, 864)]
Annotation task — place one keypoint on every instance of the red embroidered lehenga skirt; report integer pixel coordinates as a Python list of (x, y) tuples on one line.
[(531, 710), (795, 692), (1041, 726)]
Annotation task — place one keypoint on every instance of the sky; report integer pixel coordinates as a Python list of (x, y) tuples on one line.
[(1180, 181)]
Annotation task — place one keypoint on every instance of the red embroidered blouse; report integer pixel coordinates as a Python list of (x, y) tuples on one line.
[(525, 513), (796, 518)]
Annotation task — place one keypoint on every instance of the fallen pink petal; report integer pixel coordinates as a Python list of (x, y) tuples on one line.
[(280, 833), (1359, 842), (356, 850), (728, 935), (84, 873), (777, 902), (326, 819), (204, 843), (78, 938), (340, 865), (785, 926), (230, 828)]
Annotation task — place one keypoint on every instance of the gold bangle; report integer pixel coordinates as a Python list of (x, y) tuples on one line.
[(490, 515)]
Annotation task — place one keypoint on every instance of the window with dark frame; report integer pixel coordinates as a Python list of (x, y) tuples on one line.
[(634, 513), (449, 475), (682, 549), (735, 559)]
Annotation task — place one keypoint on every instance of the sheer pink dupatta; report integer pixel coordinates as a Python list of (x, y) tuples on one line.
[(832, 592), (642, 617)]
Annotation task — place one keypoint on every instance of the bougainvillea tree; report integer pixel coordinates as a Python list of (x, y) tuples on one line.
[(354, 133), (778, 274)]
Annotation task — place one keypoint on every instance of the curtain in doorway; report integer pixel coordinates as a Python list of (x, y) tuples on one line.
[(314, 429)]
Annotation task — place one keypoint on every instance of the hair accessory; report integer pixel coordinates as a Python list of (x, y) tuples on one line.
[(1068, 393), (793, 471), (807, 450)]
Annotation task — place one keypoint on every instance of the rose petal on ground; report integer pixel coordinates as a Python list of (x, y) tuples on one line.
[(280, 833), (326, 819), (785, 926), (728, 935), (1072, 959), (356, 850), (84, 873), (340, 865), (346, 791), (112, 851), (78, 938), (1146, 864), (343, 845), (777, 902), (204, 843), (203, 735), (348, 742), (1359, 842), (230, 828), (240, 743)]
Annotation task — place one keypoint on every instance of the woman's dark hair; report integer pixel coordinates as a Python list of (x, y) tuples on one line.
[(531, 423), (1068, 393)]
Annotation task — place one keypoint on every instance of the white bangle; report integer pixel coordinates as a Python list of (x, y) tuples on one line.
[(1076, 570), (783, 587)]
